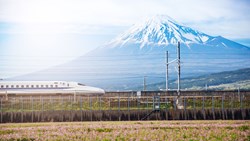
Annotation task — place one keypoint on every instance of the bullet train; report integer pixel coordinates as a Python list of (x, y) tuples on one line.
[(47, 87)]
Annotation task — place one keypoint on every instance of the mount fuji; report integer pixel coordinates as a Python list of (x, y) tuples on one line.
[(140, 51), (162, 30)]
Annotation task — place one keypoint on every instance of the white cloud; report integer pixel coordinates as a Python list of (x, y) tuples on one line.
[(125, 13)]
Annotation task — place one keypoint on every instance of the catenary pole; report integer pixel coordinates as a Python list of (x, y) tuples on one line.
[(166, 70), (179, 67), (144, 83)]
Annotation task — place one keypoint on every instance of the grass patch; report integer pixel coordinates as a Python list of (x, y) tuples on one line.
[(6, 132), (244, 128), (104, 130), (229, 128), (26, 139)]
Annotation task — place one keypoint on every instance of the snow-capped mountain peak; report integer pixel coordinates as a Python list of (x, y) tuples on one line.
[(161, 29)]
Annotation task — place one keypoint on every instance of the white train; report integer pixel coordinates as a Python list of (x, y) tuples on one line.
[(47, 87)]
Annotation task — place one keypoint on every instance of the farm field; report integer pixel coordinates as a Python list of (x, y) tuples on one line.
[(128, 130)]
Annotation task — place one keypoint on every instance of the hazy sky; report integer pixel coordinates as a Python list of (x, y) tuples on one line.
[(35, 34)]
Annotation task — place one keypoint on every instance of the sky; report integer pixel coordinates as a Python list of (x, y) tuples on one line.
[(37, 34)]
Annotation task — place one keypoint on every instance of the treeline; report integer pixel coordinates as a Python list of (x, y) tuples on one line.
[(209, 80)]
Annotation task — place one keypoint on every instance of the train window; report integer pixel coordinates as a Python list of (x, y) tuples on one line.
[(37, 86), (56, 83), (56, 86), (47, 86), (7, 86), (17, 86), (41, 86), (1, 86), (68, 85), (22, 86), (51, 86), (27, 86), (12, 86), (32, 86)]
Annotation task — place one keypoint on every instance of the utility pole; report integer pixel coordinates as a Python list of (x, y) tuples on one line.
[(144, 83), (166, 70), (179, 67), (178, 99)]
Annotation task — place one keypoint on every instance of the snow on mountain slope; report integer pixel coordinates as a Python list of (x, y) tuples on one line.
[(161, 30)]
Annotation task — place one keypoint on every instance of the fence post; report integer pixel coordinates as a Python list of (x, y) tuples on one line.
[(194, 108), (166, 114), (42, 109), (81, 106), (222, 103), (119, 108), (71, 104), (185, 108), (31, 98), (119, 103), (147, 103), (11, 105), (213, 107), (238, 93), (153, 103), (194, 103), (62, 103), (203, 104), (62, 108), (39, 106), (1, 106), (90, 107), (109, 109), (22, 109), (241, 103), (212, 103), (71, 108), (242, 106), (128, 104), (222, 106), (232, 106), (50, 107), (232, 103), (67, 103), (109, 104), (138, 103), (100, 104), (166, 100), (175, 98), (128, 108), (52, 102), (39, 109)]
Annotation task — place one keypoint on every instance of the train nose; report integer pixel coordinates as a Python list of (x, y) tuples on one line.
[(96, 90)]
